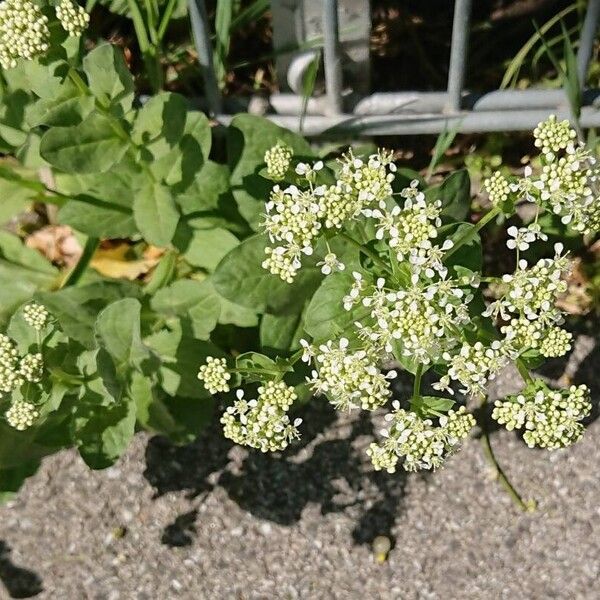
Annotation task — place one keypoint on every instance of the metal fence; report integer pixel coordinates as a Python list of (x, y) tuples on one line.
[(407, 113)]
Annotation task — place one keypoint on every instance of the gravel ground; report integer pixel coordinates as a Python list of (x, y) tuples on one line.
[(214, 521)]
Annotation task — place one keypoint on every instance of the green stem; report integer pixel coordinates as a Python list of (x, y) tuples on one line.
[(472, 232), (166, 17), (367, 252), (89, 249), (524, 371), (417, 382), (527, 506)]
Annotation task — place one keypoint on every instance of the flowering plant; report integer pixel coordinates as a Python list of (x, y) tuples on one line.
[(398, 283), (281, 273)]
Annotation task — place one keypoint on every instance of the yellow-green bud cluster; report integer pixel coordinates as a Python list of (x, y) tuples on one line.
[(550, 418), (278, 160), (214, 375), (422, 444), (523, 334), (36, 315), (350, 379), (552, 136), (31, 367), (498, 188), (72, 17), (556, 342), (24, 32), (21, 415), (262, 423), (10, 377)]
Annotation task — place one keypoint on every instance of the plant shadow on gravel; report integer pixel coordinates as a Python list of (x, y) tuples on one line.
[(331, 473), (18, 581)]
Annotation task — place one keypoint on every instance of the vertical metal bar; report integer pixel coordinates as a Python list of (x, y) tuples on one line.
[(332, 56), (586, 41), (458, 53), (200, 31)]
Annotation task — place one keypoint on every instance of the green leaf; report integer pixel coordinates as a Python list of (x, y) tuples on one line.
[(281, 332), (248, 138), (118, 332), (241, 279), (67, 108), (195, 300), (76, 308), (181, 356), (431, 406), (155, 213), (98, 218), (208, 190), (455, 195), (108, 77), (326, 318), (208, 246), (180, 166), (160, 123), (93, 146), (102, 432), (151, 412)]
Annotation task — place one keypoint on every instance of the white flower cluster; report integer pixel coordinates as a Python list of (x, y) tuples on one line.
[(551, 418), (36, 315), (214, 375), (262, 423), (295, 217), (349, 378), (528, 304), (278, 160), (73, 18), (21, 415), (474, 366), (567, 184), (24, 32), (424, 320), (422, 444)]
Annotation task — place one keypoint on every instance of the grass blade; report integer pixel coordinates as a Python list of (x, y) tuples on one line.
[(222, 30)]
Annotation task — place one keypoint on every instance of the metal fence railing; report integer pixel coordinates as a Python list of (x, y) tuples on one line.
[(404, 113)]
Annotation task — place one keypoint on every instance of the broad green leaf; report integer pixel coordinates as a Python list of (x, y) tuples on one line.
[(469, 255), (455, 195), (241, 279), (93, 146), (76, 308), (160, 123), (431, 406), (183, 163), (208, 246), (326, 318), (208, 191), (102, 432), (108, 77), (281, 332), (98, 218), (23, 272), (155, 213), (66, 108), (248, 138), (181, 356), (118, 332)]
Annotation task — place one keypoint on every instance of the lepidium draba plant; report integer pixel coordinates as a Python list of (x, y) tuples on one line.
[(366, 271)]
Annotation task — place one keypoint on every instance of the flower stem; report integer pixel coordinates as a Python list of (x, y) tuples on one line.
[(524, 505), (471, 232), (367, 252), (524, 371), (89, 249), (417, 382)]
